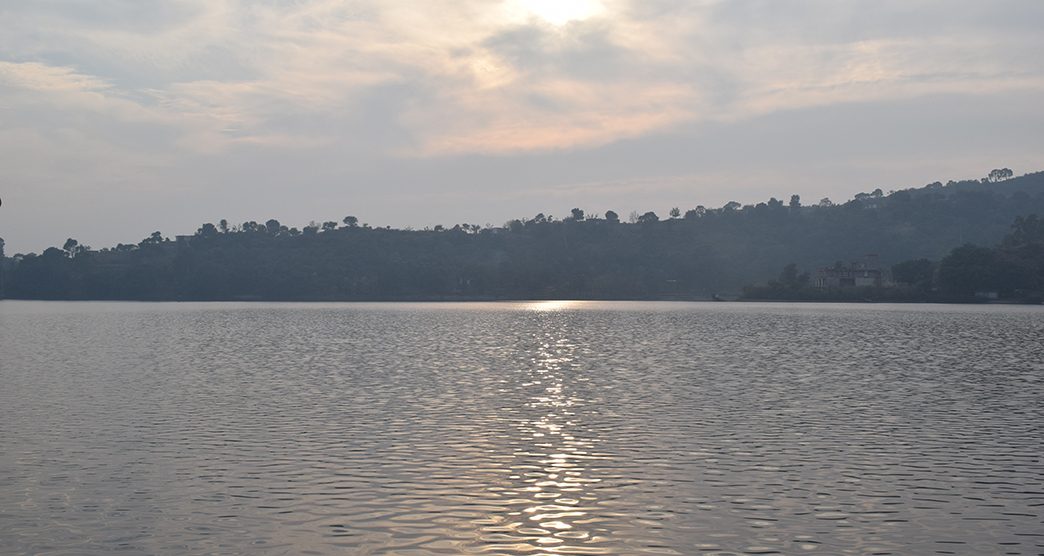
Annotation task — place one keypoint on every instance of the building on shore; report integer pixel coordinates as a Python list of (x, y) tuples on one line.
[(866, 272)]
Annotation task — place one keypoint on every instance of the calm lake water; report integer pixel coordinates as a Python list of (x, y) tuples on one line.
[(521, 428)]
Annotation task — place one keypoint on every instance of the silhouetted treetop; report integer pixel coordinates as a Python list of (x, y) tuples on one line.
[(708, 251)]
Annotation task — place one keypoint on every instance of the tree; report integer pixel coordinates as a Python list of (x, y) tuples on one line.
[(612, 217), (674, 213), (731, 206), (155, 238), (223, 226), (826, 202), (970, 269), (648, 218), (698, 212), (790, 278), (999, 174), (351, 221), (795, 201), (578, 215), (916, 272), (329, 225), (70, 246), (207, 230), (273, 226), (1026, 230)]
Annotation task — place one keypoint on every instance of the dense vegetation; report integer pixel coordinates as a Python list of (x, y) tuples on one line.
[(687, 254), (1011, 271)]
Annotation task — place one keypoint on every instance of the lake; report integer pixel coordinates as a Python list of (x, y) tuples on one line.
[(521, 428)]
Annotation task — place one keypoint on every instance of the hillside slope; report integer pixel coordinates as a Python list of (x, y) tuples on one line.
[(705, 252)]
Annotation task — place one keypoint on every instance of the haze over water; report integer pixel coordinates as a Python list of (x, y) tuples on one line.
[(521, 428)]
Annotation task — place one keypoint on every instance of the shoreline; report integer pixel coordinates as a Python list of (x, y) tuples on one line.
[(484, 299)]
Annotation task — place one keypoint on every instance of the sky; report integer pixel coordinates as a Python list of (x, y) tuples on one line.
[(122, 117)]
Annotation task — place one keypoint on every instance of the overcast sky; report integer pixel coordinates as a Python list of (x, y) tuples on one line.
[(122, 117)]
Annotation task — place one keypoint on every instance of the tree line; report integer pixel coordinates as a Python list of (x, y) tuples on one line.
[(697, 253)]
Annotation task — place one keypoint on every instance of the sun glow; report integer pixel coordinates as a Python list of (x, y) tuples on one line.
[(551, 305), (555, 12)]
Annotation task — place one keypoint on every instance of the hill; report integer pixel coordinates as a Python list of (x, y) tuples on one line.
[(696, 254)]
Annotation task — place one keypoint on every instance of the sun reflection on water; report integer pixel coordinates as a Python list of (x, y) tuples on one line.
[(550, 479), (547, 491), (552, 305)]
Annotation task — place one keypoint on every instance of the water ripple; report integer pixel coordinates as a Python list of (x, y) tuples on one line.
[(529, 428)]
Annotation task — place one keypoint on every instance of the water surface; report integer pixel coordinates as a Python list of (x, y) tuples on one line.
[(520, 428)]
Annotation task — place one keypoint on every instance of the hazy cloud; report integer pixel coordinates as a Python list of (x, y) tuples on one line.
[(196, 109)]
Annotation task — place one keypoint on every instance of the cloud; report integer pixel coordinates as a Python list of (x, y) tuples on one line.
[(48, 79), (59, 124), (180, 95), (475, 77)]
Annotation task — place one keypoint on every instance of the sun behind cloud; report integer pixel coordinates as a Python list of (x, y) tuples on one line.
[(555, 12)]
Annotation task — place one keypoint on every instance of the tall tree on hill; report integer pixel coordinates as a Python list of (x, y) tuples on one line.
[(648, 218), (999, 174)]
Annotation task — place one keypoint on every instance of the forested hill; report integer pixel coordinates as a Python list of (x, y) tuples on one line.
[(682, 253)]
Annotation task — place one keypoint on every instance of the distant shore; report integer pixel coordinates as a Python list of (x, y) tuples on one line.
[(939, 300)]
